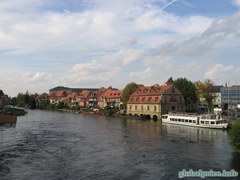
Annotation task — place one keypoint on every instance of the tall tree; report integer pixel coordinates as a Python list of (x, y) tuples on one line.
[(204, 92), (188, 90), (127, 91)]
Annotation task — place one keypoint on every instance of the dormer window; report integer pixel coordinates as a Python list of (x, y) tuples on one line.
[(143, 99), (149, 99)]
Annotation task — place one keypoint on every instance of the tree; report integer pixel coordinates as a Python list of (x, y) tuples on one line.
[(127, 91), (32, 103), (235, 136), (204, 92), (187, 89)]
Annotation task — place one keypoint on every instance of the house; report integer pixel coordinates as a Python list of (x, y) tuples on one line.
[(72, 98), (153, 101), (42, 98), (110, 97), (59, 96), (83, 99)]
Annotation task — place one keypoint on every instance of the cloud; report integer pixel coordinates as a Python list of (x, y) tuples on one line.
[(38, 77), (220, 72), (237, 3)]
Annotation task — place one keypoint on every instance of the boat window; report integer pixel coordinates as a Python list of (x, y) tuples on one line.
[(182, 120), (179, 120), (202, 122), (164, 117), (212, 122), (217, 122), (190, 121), (170, 119), (194, 121), (206, 122), (186, 120)]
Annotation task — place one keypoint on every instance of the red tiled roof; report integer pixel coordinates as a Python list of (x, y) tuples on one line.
[(110, 93), (60, 94), (72, 95), (235, 85), (149, 95), (151, 90)]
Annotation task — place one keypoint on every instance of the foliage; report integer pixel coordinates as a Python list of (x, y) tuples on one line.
[(75, 108), (204, 91), (127, 91), (15, 111), (235, 136), (26, 100), (43, 104), (187, 88), (110, 111)]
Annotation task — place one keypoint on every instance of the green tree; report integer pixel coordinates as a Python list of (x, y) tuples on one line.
[(127, 91), (20, 100), (204, 92), (188, 90), (235, 136), (32, 103)]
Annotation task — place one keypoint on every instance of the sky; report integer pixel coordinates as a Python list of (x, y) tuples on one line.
[(102, 43)]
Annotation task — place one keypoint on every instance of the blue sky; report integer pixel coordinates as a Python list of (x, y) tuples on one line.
[(95, 43)]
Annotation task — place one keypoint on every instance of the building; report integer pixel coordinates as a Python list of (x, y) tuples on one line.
[(69, 90), (59, 96), (156, 100), (110, 97), (216, 90), (230, 96)]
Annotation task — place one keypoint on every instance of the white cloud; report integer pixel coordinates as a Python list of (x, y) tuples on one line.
[(237, 3), (222, 73), (38, 77)]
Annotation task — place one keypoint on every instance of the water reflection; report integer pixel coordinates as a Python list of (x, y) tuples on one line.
[(56, 145)]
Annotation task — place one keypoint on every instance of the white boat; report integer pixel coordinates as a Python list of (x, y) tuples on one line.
[(201, 121)]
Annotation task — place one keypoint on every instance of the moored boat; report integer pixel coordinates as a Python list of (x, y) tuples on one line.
[(202, 121), (8, 118)]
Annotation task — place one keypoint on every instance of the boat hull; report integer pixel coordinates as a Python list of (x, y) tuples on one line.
[(8, 119), (220, 126)]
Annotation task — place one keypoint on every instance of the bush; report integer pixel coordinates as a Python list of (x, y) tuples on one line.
[(110, 111), (235, 136), (15, 111)]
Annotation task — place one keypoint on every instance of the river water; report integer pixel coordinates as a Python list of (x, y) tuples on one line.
[(59, 145)]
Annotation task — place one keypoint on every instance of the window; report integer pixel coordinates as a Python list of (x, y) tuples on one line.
[(194, 121), (143, 99), (179, 120), (156, 99), (135, 107), (182, 120), (141, 107), (149, 99), (202, 122), (132, 99), (212, 122), (206, 122), (186, 120), (147, 107), (155, 108), (137, 99), (190, 121), (130, 107)]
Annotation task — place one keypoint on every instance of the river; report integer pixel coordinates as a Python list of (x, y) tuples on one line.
[(59, 145)]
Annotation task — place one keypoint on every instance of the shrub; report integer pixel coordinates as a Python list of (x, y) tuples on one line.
[(235, 136)]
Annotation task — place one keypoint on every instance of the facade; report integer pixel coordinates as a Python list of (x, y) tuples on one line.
[(216, 90), (156, 100), (59, 96), (110, 97), (230, 96)]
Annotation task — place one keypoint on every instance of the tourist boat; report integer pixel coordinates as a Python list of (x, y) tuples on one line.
[(194, 120)]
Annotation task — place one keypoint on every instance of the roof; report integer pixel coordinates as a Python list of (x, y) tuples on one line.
[(60, 93), (72, 95), (155, 90), (84, 94), (235, 86), (112, 93), (145, 100)]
